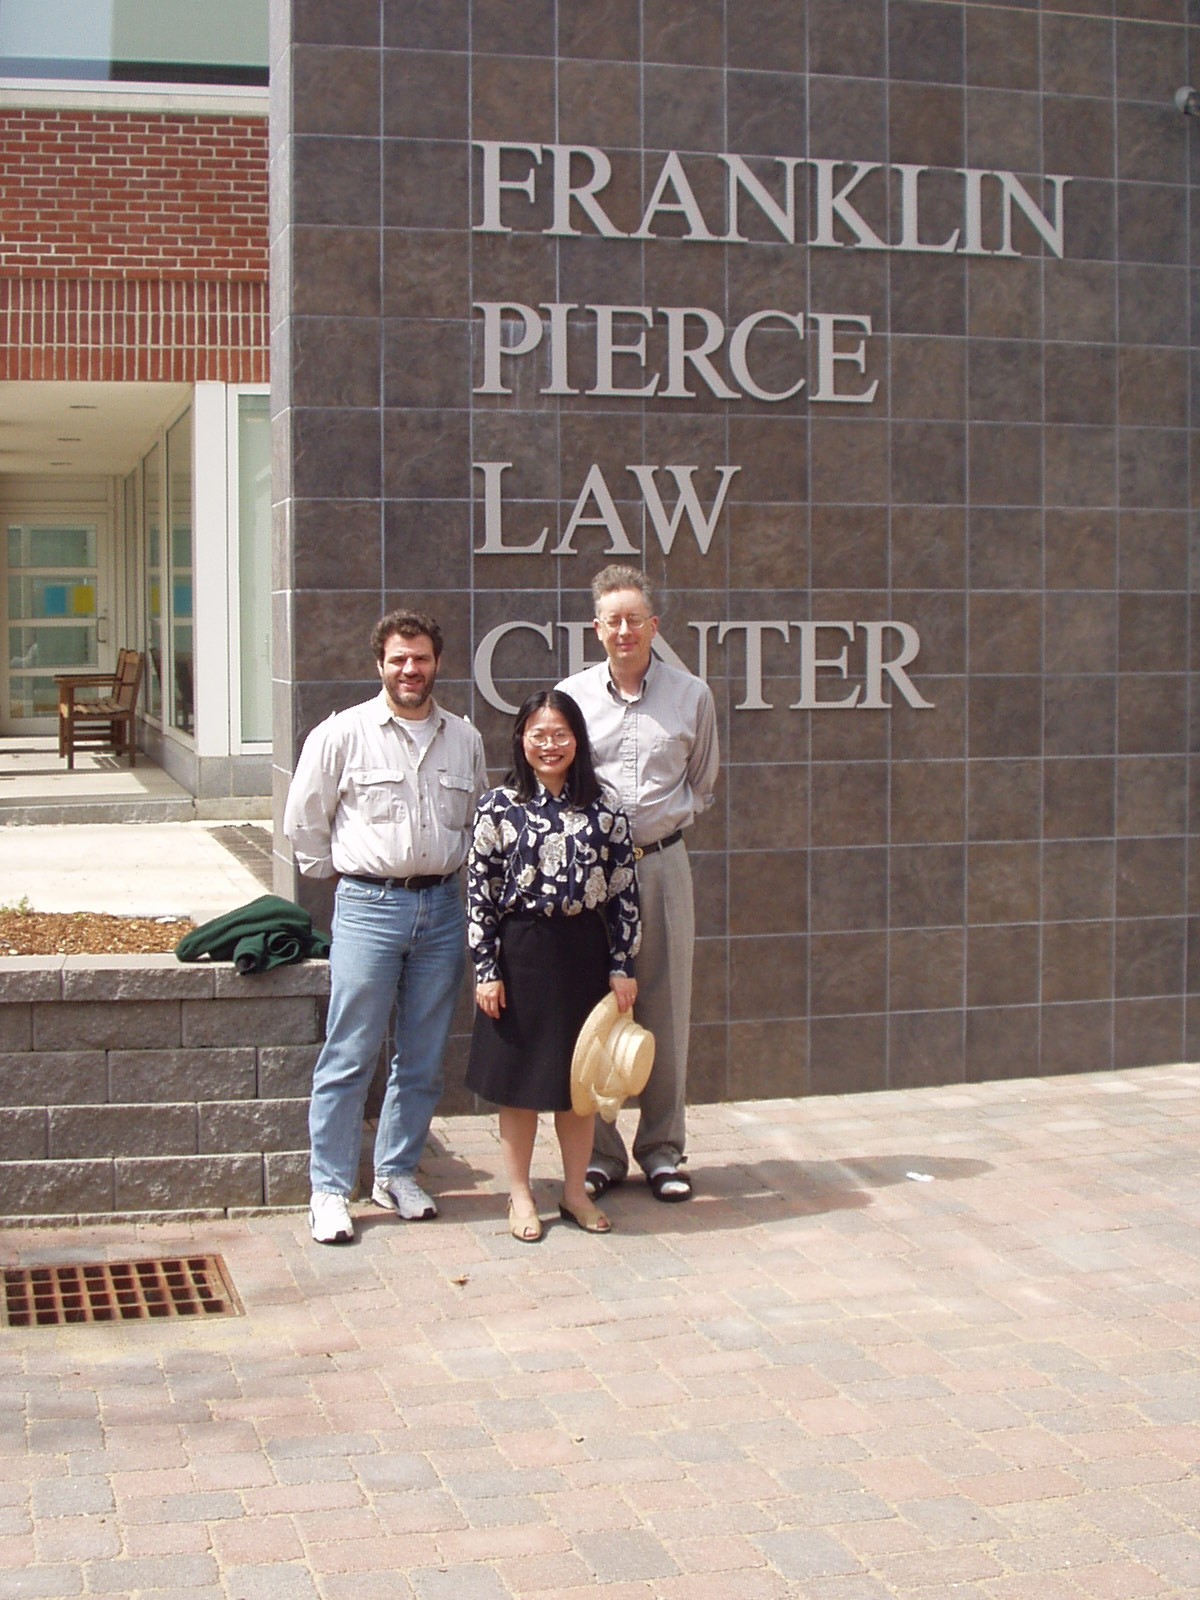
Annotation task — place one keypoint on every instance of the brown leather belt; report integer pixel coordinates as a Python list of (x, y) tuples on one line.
[(640, 850), (430, 880)]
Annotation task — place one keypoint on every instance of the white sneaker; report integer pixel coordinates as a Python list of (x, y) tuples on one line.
[(405, 1197), (330, 1219)]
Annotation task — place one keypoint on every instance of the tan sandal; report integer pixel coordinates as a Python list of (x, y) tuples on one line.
[(590, 1218), (526, 1226)]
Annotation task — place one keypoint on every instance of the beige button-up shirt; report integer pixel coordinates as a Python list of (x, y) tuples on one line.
[(658, 752), (366, 798)]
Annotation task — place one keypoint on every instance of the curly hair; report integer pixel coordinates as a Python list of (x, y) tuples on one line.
[(409, 625)]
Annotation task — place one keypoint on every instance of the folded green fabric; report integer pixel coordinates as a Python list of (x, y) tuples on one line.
[(261, 951), (267, 932)]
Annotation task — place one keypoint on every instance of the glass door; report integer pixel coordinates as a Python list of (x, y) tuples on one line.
[(55, 616)]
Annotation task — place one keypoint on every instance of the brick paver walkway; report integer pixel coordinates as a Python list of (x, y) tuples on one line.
[(928, 1344)]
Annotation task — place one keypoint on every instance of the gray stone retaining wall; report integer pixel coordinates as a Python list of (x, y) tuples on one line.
[(133, 1084)]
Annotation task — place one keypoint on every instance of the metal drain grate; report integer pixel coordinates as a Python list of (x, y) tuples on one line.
[(118, 1291)]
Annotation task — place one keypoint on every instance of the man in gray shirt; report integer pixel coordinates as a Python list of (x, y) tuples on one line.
[(384, 796), (653, 730)]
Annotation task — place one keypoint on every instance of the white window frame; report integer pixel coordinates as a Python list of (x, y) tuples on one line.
[(162, 722), (141, 524), (210, 558), (216, 583), (238, 745)]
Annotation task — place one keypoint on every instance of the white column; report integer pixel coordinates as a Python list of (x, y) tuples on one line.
[(210, 573)]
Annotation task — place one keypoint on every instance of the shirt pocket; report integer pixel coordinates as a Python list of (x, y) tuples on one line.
[(380, 794), (660, 738), (454, 799), (667, 754)]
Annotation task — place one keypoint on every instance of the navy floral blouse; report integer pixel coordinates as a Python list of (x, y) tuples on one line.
[(545, 855)]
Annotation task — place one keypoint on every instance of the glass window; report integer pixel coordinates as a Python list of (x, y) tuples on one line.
[(135, 41), (155, 585), (254, 564), (179, 515), (51, 583), (51, 547)]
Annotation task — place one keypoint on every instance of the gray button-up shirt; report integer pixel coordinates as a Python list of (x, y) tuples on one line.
[(658, 752), (366, 798)]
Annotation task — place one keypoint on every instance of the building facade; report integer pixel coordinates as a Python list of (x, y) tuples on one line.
[(135, 460), (867, 327)]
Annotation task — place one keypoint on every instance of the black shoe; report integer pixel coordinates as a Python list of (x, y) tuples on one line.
[(670, 1185), (597, 1182)]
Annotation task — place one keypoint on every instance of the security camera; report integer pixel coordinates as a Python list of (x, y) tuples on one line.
[(1187, 101)]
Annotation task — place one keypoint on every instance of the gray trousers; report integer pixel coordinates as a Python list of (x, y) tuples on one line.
[(664, 1005)]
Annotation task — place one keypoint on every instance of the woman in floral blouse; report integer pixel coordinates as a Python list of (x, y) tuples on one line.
[(553, 923)]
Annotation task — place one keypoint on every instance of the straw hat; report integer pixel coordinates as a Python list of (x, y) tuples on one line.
[(612, 1060)]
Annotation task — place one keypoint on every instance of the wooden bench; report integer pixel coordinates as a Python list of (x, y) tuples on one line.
[(103, 717)]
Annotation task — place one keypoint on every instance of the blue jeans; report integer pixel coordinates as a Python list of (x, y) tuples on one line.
[(389, 946)]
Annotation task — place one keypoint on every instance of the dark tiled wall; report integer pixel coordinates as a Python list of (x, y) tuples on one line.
[(999, 886)]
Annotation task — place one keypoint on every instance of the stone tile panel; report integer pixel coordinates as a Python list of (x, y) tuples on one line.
[(218, 1023), (1018, 490), (53, 1077)]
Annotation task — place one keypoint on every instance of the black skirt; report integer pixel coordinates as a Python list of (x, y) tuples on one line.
[(555, 969)]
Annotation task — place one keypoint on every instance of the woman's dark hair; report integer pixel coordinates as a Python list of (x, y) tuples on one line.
[(583, 786)]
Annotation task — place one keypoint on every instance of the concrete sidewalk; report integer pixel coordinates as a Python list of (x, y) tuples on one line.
[(110, 838), (148, 869), (36, 789), (933, 1344)]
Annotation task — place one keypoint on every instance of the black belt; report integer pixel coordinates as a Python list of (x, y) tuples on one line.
[(430, 880), (640, 850)]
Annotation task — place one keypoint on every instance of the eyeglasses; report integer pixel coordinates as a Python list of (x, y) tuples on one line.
[(615, 624), (546, 741)]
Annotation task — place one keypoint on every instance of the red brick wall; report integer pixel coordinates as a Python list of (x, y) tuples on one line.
[(133, 246)]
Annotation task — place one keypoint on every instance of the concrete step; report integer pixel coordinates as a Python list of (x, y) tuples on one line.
[(29, 812), (36, 787)]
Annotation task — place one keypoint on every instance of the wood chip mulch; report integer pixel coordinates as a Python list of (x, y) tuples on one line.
[(87, 933)]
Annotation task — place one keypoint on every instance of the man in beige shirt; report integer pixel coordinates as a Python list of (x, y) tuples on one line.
[(653, 731), (384, 796)]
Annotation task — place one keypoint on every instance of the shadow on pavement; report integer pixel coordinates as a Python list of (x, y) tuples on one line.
[(727, 1196)]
